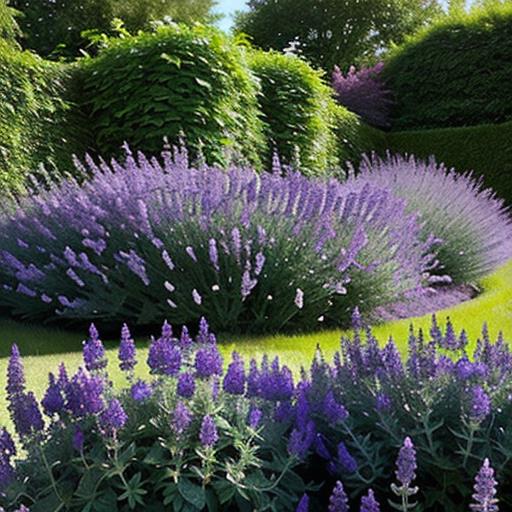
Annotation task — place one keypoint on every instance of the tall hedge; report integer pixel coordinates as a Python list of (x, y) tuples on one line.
[(37, 123), (456, 73), (178, 80), (298, 109)]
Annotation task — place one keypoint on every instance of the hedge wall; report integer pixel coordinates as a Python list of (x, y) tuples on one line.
[(457, 72), (486, 149), (37, 123)]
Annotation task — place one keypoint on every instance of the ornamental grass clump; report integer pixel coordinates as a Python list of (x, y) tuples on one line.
[(251, 252), (474, 226), (201, 435)]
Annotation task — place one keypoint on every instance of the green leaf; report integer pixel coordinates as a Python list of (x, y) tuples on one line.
[(192, 493)]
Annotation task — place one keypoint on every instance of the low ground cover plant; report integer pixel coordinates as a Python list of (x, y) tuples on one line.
[(255, 252), (473, 224), (201, 435)]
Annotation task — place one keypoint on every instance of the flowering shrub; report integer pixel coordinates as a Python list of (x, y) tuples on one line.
[(254, 252), (203, 436), (364, 93), (473, 224)]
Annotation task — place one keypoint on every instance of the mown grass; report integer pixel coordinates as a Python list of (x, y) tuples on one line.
[(44, 348)]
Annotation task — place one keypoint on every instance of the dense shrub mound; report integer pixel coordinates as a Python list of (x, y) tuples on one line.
[(198, 436), (36, 125), (299, 111), (457, 72), (254, 252), (177, 81), (473, 224)]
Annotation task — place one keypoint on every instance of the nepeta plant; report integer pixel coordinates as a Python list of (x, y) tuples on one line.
[(364, 93), (252, 252), (474, 226), (199, 435)]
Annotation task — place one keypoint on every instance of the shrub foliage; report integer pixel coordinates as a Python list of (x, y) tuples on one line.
[(455, 73), (254, 252), (298, 112), (178, 80), (199, 436)]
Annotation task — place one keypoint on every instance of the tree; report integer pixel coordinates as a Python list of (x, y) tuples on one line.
[(56, 26), (334, 32), (8, 26)]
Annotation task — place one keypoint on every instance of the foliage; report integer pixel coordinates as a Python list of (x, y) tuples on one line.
[(254, 252), (56, 28), (455, 73), (36, 123), (298, 112), (199, 436), (330, 33), (9, 29), (364, 93), (487, 151), (473, 224), (178, 80)]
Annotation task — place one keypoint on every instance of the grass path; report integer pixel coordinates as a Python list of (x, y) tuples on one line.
[(44, 348)]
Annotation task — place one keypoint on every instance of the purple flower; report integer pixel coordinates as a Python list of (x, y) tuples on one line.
[(141, 391), (275, 383), (369, 503), (182, 418), (254, 417), (186, 385), (94, 352), (113, 418), (208, 434), (338, 502), (127, 351), (78, 440), (334, 412), (485, 490), (234, 380), (185, 339), (208, 362), (164, 357), (213, 254), (480, 404), (190, 251), (7, 452), (53, 401), (345, 460), (248, 284), (382, 402), (303, 505), (84, 394), (196, 296), (406, 463), (357, 321), (203, 336), (15, 374), (26, 415), (301, 440)]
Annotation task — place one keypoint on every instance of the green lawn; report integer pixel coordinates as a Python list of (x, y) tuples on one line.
[(45, 348)]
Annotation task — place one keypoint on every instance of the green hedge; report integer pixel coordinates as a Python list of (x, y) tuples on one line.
[(178, 80), (486, 149), (457, 72), (37, 124)]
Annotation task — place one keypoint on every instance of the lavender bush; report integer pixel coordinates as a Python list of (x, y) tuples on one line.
[(253, 252), (201, 435), (474, 225), (364, 93)]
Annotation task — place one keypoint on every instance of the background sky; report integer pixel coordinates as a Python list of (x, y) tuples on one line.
[(228, 7)]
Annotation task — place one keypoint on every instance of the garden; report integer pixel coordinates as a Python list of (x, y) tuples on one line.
[(263, 265)]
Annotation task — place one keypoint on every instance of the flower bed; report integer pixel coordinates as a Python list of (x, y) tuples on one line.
[(246, 435)]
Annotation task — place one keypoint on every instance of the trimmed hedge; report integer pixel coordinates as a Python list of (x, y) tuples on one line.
[(486, 149), (458, 72), (36, 123), (178, 80)]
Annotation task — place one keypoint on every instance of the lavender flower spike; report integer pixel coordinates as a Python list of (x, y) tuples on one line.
[(208, 434), (94, 352), (303, 505), (485, 490), (127, 351), (406, 463), (338, 502), (369, 503)]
